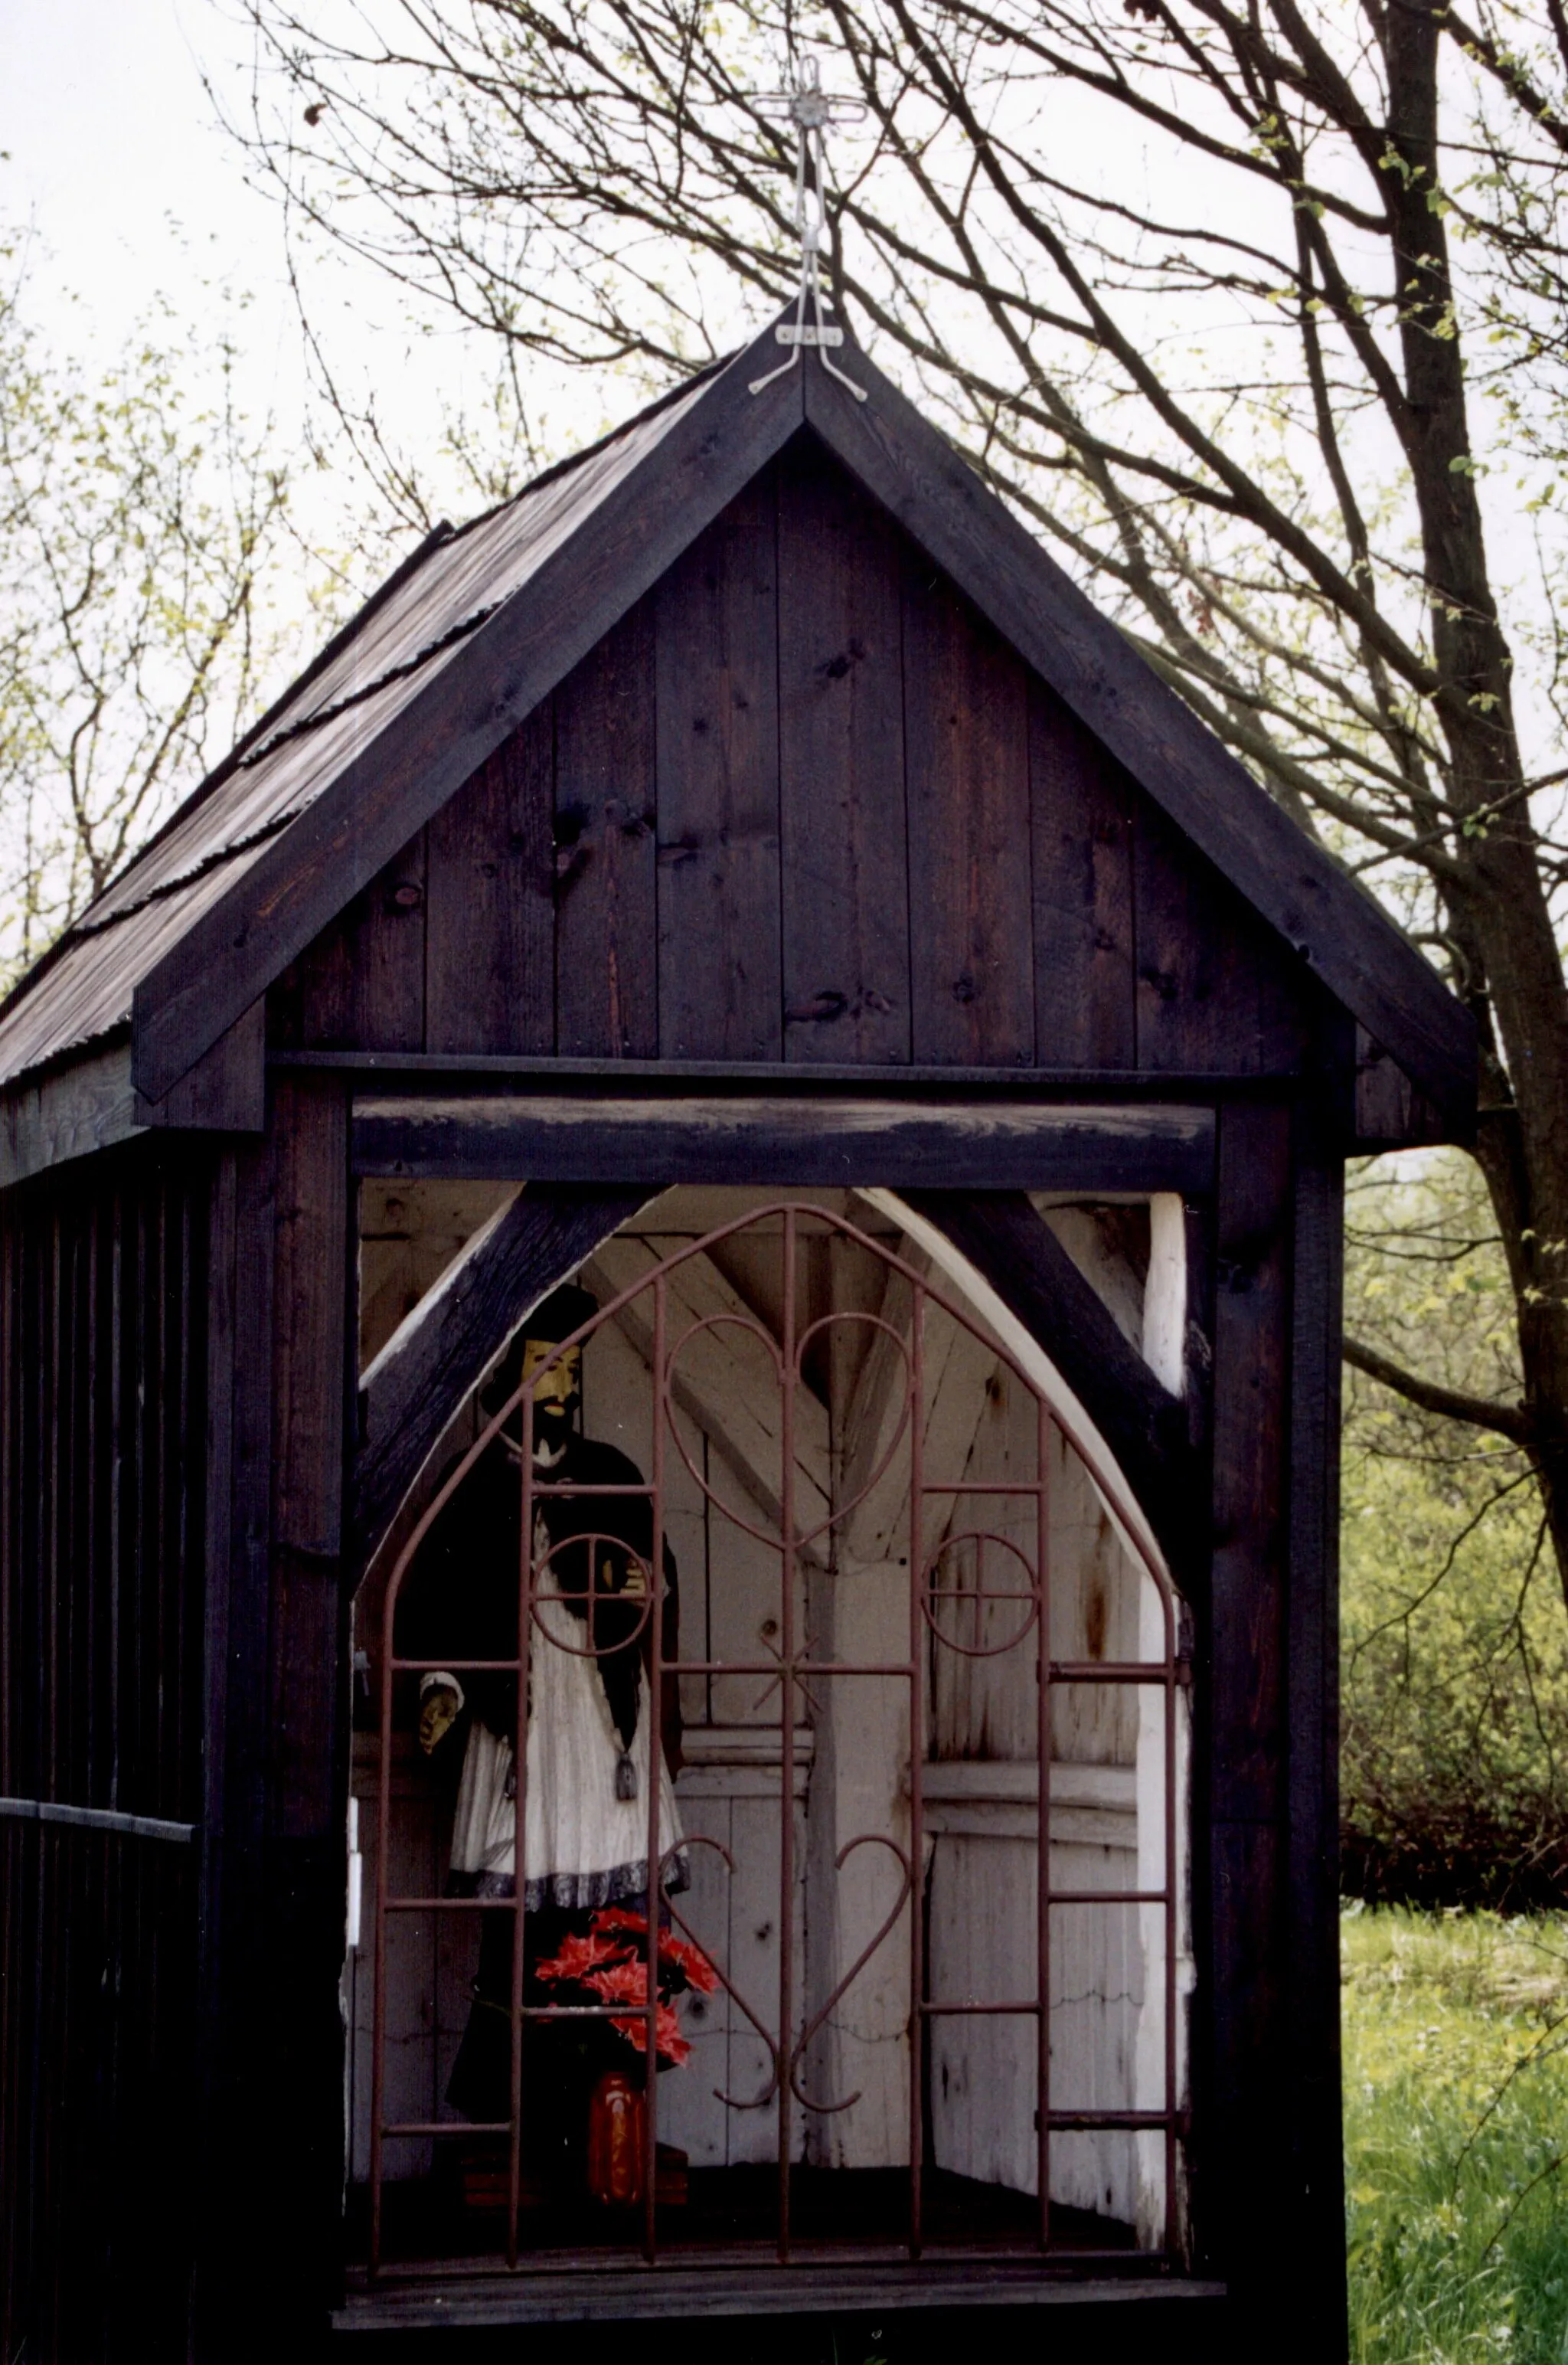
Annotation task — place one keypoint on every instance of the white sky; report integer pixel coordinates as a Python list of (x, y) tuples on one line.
[(108, 134)]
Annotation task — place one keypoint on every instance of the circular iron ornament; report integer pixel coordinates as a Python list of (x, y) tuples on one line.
[(977, 1594), (592, 1598)]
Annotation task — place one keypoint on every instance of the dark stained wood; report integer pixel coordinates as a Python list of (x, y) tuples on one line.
[(226, 1091), (406, 772), (435, 1358), (1316, 2153), (1211, 984), (1143, 1424), (1247, 2186), (986, 1086), (490, 911), (47, 1120), (102, 1435), (606, 925), (1295, 884), (236, 1933), (717, 704), (310, 1129), (362, 982), (1389, 1112), (999, 1147), (295, 2075), (846, 882), (967, 758), (1250, 1413), (1165, 2310), (1082, 815)]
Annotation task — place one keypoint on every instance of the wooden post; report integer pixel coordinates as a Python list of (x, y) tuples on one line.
[(1241, 2206), (1316, 2164)]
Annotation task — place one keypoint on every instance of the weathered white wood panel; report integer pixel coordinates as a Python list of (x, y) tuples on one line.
[(983, 1949), (859, 1792), (431, 1960), (723, 1377)]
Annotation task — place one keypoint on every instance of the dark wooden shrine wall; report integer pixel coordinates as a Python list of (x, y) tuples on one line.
[(103, 1423), (804, 805)]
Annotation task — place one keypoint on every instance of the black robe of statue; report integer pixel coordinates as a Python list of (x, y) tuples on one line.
[(460, 1601)]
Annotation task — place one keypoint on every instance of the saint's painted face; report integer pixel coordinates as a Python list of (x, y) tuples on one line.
[(559, 1385)]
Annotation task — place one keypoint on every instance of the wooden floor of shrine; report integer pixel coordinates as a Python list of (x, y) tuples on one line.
[(866, 2210)]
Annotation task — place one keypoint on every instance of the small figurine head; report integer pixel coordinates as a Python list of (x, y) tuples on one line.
[(535, 1354)]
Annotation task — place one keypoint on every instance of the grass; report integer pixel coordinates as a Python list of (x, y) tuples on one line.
[(1456, 2136)]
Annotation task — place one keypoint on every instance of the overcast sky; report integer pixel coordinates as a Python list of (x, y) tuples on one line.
[(108, 134)]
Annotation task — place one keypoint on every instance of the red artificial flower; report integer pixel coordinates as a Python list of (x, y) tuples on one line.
[(616, 1917), (577, 1958), (621, 1982), (672, 2046), (690, 1961)]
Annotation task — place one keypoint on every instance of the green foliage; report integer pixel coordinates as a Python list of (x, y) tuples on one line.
[(139, 521), (1455, 1692), (1456, 2122)]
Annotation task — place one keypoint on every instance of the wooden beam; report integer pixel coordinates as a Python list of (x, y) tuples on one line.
[(1345, 937), (1143, 1424), (226, 1091), (403, 775), (89, 1105), (467, 1069), (1315, 2156), (995, 1145), (408, 1395)]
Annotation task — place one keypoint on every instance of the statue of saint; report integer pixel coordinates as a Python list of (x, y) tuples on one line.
[(594, 1740)]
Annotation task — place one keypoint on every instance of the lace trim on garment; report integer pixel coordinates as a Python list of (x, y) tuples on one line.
[(574, 1892)]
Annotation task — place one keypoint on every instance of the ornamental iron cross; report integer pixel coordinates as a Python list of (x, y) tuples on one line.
[(812, 111)]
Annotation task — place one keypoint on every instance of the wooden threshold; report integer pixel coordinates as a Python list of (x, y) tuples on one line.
[(435, 2297)]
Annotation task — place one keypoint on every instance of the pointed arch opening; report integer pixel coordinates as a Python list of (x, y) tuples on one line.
[(823, 1596)]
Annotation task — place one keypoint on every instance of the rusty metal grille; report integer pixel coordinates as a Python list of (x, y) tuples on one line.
[(942, 1615)]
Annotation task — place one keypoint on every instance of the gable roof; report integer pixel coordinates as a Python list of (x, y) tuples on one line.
[(482, 623)]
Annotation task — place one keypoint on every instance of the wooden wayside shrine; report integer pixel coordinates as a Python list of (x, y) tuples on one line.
[(742, 877)]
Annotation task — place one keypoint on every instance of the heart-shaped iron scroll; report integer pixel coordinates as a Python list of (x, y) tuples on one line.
[(865, 1839), (700, 1838)]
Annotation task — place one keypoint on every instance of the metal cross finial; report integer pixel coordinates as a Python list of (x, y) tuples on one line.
[(812, 111)]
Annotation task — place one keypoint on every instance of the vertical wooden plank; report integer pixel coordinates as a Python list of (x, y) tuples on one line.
[(235, 2188), (312, 1220), (716, 626), (1081, 812), (1216, 990), (606, 941), (845, 878), (360, 986), (306, 1853), (490, 921), (1250, 1459), (1247, 1756), (966, 755), (1317, 2162)]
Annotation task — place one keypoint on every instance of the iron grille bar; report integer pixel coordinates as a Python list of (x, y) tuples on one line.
[(789, 1668)]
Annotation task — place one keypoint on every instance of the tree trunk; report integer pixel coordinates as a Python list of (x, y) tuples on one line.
[(1500, 907)]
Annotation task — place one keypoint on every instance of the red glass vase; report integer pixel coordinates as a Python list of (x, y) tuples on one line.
[(617, 2142)]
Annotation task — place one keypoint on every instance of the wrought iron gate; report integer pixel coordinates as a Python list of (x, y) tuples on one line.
[(974, 1590)]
